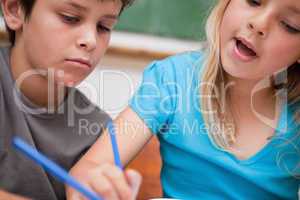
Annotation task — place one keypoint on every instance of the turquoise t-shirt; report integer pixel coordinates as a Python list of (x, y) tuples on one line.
[(168, 101)]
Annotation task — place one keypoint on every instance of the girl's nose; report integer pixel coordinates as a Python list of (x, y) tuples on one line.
[(259, 24), (87, 40), (260, 32)]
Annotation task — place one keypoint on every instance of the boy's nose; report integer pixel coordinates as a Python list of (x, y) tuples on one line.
[(87, 40)]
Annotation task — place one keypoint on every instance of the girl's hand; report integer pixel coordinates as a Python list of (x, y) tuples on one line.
[(106, 180)]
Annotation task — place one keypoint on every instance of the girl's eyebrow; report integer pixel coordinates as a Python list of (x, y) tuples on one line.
[(294, 10)]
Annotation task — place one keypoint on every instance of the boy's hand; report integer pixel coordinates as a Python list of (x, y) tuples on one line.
[(107, 180), (10, 196)]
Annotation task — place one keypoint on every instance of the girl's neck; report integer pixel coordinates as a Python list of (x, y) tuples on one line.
[(241, 90), (246, 95)]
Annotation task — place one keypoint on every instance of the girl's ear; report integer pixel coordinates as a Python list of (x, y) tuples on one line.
[(13, 14)]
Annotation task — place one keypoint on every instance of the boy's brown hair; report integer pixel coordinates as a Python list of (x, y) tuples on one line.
[(27, 6)]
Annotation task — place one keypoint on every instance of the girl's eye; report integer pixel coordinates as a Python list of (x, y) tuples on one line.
[(290, 28), (254, 2), (70, 19)]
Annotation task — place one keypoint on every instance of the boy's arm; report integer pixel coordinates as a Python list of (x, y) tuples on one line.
[(96, 168), (10, 196)]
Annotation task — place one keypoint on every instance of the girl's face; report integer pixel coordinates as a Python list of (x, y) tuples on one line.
[(259, 37)]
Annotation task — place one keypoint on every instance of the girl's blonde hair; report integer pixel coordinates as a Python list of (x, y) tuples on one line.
[(219, 122)]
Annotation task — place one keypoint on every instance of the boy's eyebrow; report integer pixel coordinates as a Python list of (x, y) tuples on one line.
[(83, 8), (114, 17), (77, 6)]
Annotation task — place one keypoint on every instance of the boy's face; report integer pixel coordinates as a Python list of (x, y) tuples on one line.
[(68, 36)]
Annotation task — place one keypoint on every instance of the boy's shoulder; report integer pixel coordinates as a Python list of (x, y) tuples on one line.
[(4, 58), (84, 107), (5, 77)]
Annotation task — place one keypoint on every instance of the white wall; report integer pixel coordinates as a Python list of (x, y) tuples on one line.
[(110, 87)]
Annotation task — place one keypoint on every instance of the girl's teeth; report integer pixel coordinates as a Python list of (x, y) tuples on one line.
[(245, 50)]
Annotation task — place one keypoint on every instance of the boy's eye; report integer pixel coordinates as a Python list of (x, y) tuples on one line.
[(74, 19), (70, 19), (254, 2), (290, 28), (102, 28)]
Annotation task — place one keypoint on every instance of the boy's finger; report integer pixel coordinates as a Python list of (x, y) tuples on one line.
[(134, 179)]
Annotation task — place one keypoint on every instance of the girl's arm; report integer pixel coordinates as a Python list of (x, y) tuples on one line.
[(131, 133), (96, 168)]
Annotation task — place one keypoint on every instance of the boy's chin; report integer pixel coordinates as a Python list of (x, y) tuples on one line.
[(72, 83), (68, 82), (69, 79)]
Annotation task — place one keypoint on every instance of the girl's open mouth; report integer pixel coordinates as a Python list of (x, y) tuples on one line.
[(243, 51)]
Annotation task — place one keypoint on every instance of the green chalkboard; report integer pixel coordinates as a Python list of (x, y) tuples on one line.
[(170, 18)]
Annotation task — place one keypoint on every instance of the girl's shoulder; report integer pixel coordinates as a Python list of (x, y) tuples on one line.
[(176, 66), (183, 60)]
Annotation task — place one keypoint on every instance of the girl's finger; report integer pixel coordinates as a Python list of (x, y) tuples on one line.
[(134, 179), (102, 185), (75, 196), (119, 181)]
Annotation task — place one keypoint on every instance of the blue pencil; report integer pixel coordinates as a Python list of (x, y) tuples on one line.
[(112, 133), (53, 168)]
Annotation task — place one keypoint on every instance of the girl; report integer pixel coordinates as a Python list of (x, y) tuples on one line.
[(226, 118)]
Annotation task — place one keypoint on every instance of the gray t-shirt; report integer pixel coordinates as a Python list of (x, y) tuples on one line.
[(63, 136)]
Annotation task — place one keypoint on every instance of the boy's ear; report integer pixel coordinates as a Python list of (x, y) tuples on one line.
[(13, 13)]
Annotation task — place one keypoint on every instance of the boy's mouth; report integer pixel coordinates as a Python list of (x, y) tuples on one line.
[(80, 61)]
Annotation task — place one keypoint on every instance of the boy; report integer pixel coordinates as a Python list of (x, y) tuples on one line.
[(55, 44)]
